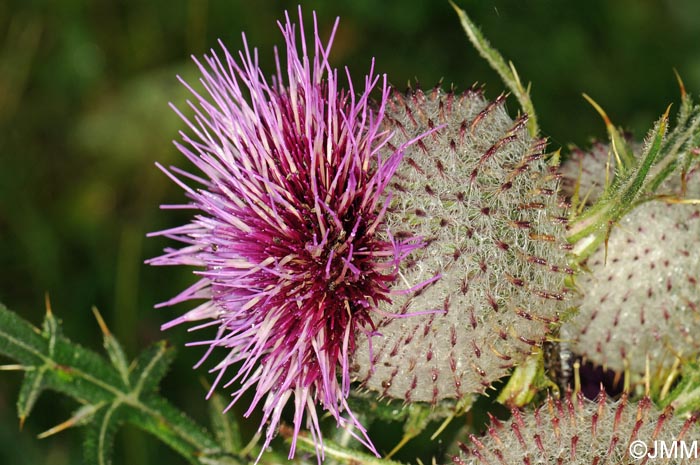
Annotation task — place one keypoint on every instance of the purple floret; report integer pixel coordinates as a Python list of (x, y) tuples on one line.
[(288, 235)]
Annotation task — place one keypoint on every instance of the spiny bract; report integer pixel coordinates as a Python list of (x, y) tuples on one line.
[(576, 431), (482, 196)]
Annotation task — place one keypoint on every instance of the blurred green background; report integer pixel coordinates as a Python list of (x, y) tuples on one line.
[(84, 87)]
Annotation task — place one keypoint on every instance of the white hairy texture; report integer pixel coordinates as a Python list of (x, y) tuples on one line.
[(482, 196), (582, 432), (644, 301)]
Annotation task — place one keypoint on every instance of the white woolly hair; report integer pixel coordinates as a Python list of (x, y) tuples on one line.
[(642, 301), (576, 431), (490, 280)]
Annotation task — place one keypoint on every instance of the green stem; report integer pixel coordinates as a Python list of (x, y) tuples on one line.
[(505, 70)]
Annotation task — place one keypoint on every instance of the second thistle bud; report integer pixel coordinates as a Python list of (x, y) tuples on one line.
[(490, 281), (639, 309)]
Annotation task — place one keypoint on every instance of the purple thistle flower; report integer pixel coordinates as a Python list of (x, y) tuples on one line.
[(289, 234)]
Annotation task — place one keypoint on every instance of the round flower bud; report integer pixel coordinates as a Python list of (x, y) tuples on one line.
[(641, 299), (640, 302), (489, 282), (576, 431)]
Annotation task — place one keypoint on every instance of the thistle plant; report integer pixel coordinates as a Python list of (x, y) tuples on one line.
[(366, 256)]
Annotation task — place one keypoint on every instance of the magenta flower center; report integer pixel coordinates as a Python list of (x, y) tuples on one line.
[(289, 235)]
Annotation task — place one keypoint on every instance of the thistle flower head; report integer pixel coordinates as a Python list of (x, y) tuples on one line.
[(576, 431), (288, 234), (483, 197)]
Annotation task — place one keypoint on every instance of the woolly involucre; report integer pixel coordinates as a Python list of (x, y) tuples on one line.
[(575, 431), (640, 302), (490, 281)]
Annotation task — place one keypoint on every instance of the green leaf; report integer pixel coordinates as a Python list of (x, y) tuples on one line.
[(113, 348), (32, 387), (656, 138), (341, 454), (527, 380), (632, 186), (638, 178), (678, 148), (99, 437), (394, 410), (82, 374), (149, 368), (419, 416), (379, 409), (54, 362), (51, 327), (623, 152), (224, 424), (157, 416), (19, 340)]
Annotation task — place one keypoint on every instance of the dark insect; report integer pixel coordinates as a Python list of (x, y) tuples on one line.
[(559, 363)]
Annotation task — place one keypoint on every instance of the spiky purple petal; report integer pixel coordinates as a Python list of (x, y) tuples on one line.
[(289, 235)]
